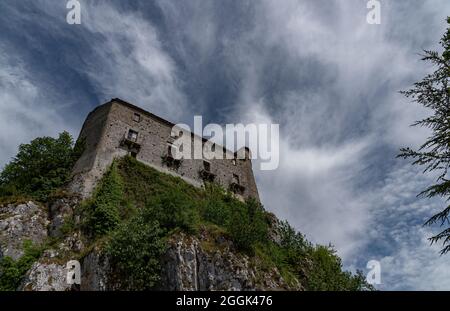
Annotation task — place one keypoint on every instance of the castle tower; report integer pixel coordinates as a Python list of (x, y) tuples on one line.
[(118, 128)]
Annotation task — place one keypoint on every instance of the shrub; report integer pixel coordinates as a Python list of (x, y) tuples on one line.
[(247, 225), (174, 209), (294, 245), (103, 210), (327, 273), (135, 250), (142, 183), (245, 222), (215, 208), (318, 268), (12, 272)]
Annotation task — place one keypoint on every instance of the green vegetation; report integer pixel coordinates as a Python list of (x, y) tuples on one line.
[(326, 272), (133, 210), (12, 272), (246, 223), (135, 249), (433, 92), (39, 167), (141, 208), (103, 210), (178, 205), (317, 267)]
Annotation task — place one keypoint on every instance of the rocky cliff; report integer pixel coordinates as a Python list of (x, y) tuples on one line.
[(202, 262)]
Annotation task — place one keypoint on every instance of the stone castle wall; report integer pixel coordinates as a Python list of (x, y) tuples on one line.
[(118, 128)]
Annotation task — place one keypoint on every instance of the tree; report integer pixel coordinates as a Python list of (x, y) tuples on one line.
[(433, 92), (135, 249), (247, 225), (40, 167), (327, 274)]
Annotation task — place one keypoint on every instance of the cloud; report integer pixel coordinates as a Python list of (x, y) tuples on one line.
[(315, 67), (395, 235), (332, 81), (415, 265), (24, 110), (128, 61), (56, 73)]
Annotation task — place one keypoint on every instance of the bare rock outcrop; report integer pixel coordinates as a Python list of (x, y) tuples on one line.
[(20, 222), (46, 275), (208, 263)]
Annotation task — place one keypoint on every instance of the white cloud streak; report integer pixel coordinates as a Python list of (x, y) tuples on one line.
[(317, 186), (24, 110), (316, 67), (130, 62)]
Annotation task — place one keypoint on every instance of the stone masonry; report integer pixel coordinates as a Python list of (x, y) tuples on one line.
[(118, 128)]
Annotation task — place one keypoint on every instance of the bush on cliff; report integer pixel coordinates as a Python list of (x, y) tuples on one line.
[(176, 204), (103, 209), (12, 271), (40, 167), (318, 267), (135, 249), (245, 222)]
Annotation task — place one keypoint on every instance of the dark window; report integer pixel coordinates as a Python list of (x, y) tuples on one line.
[(213, 148), (176, 135), (236, 179), (137, 117), (132, 135), (169, 160), (207, 166), (169, 151)]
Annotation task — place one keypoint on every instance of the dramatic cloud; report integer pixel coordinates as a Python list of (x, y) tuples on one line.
[(130, 62), (24, 108), (396, 237), (331, 80), (47, 74), (315, 67)]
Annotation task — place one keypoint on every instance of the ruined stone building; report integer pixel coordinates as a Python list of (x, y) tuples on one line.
[(118, 128)]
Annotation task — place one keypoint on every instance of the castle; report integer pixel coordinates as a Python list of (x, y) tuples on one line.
[(118, 128)]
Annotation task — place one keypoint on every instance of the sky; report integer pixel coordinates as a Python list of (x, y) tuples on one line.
[(316, 67)]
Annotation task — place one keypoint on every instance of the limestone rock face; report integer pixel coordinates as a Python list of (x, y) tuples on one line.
[(30, 221), (96, 273), (59, 210), (190, 264), (49, 272), (20, 222), (46, 276)]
